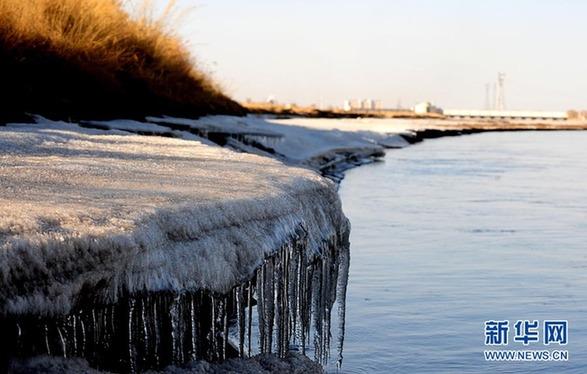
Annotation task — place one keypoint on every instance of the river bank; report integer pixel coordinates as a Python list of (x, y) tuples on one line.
[(134, 227), (139, 252)]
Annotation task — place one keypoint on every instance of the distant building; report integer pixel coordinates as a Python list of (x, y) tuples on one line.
[(368, 104), (361, 105), (426, 108), (347, 106)]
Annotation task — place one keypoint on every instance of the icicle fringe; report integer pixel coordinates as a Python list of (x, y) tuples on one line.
[(293, 292)]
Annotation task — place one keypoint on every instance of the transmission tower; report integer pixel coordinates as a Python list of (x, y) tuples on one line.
[(500, 92)]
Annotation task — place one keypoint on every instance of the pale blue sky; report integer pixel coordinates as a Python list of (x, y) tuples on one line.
[(444, 51)]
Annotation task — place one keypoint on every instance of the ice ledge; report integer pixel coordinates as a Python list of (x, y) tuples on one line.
[(88, 213)]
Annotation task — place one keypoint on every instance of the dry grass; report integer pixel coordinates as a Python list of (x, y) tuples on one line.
[(90, 58)]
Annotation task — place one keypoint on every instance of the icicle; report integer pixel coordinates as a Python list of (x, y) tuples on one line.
[(131, 347), (194, 353), (63, 342), (175, 339), (261, 306), (18, 334), (250, 319), (307, 306), (341, 297), (285, 301), (112, 319), (303, 306), (317, 304), (295, 294), (181, 328), (101, 329), (325, 299), (225, 328), (47, 345), (103, 322), (73, 323), (278, 280), (292, 294), (270, 304), (214, 342), (144, 306), (156, 329), (298, 297), (83, 333), (240, 315), (18, 331), (95, 326)]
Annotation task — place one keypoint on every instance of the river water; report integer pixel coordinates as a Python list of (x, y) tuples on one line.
[(453, 232)]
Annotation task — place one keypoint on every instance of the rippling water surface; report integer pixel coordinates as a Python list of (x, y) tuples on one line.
[(453, 232)]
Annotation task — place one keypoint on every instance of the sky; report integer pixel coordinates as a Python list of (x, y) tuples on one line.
[(397, 51)]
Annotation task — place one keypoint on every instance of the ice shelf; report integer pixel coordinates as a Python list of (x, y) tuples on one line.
[(148, 250)]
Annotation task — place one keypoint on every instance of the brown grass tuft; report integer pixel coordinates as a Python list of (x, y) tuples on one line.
[(89, 58)]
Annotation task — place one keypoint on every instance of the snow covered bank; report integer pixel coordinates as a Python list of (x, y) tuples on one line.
[(125, 246), (143, 214), (329, 146)]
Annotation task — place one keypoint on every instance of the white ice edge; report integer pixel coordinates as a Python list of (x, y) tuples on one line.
[(92, 209), (300, 140)]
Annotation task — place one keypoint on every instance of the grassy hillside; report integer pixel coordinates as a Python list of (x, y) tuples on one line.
[(89, 58)]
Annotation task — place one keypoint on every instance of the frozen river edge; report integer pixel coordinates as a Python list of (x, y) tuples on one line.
[(174, 217)]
